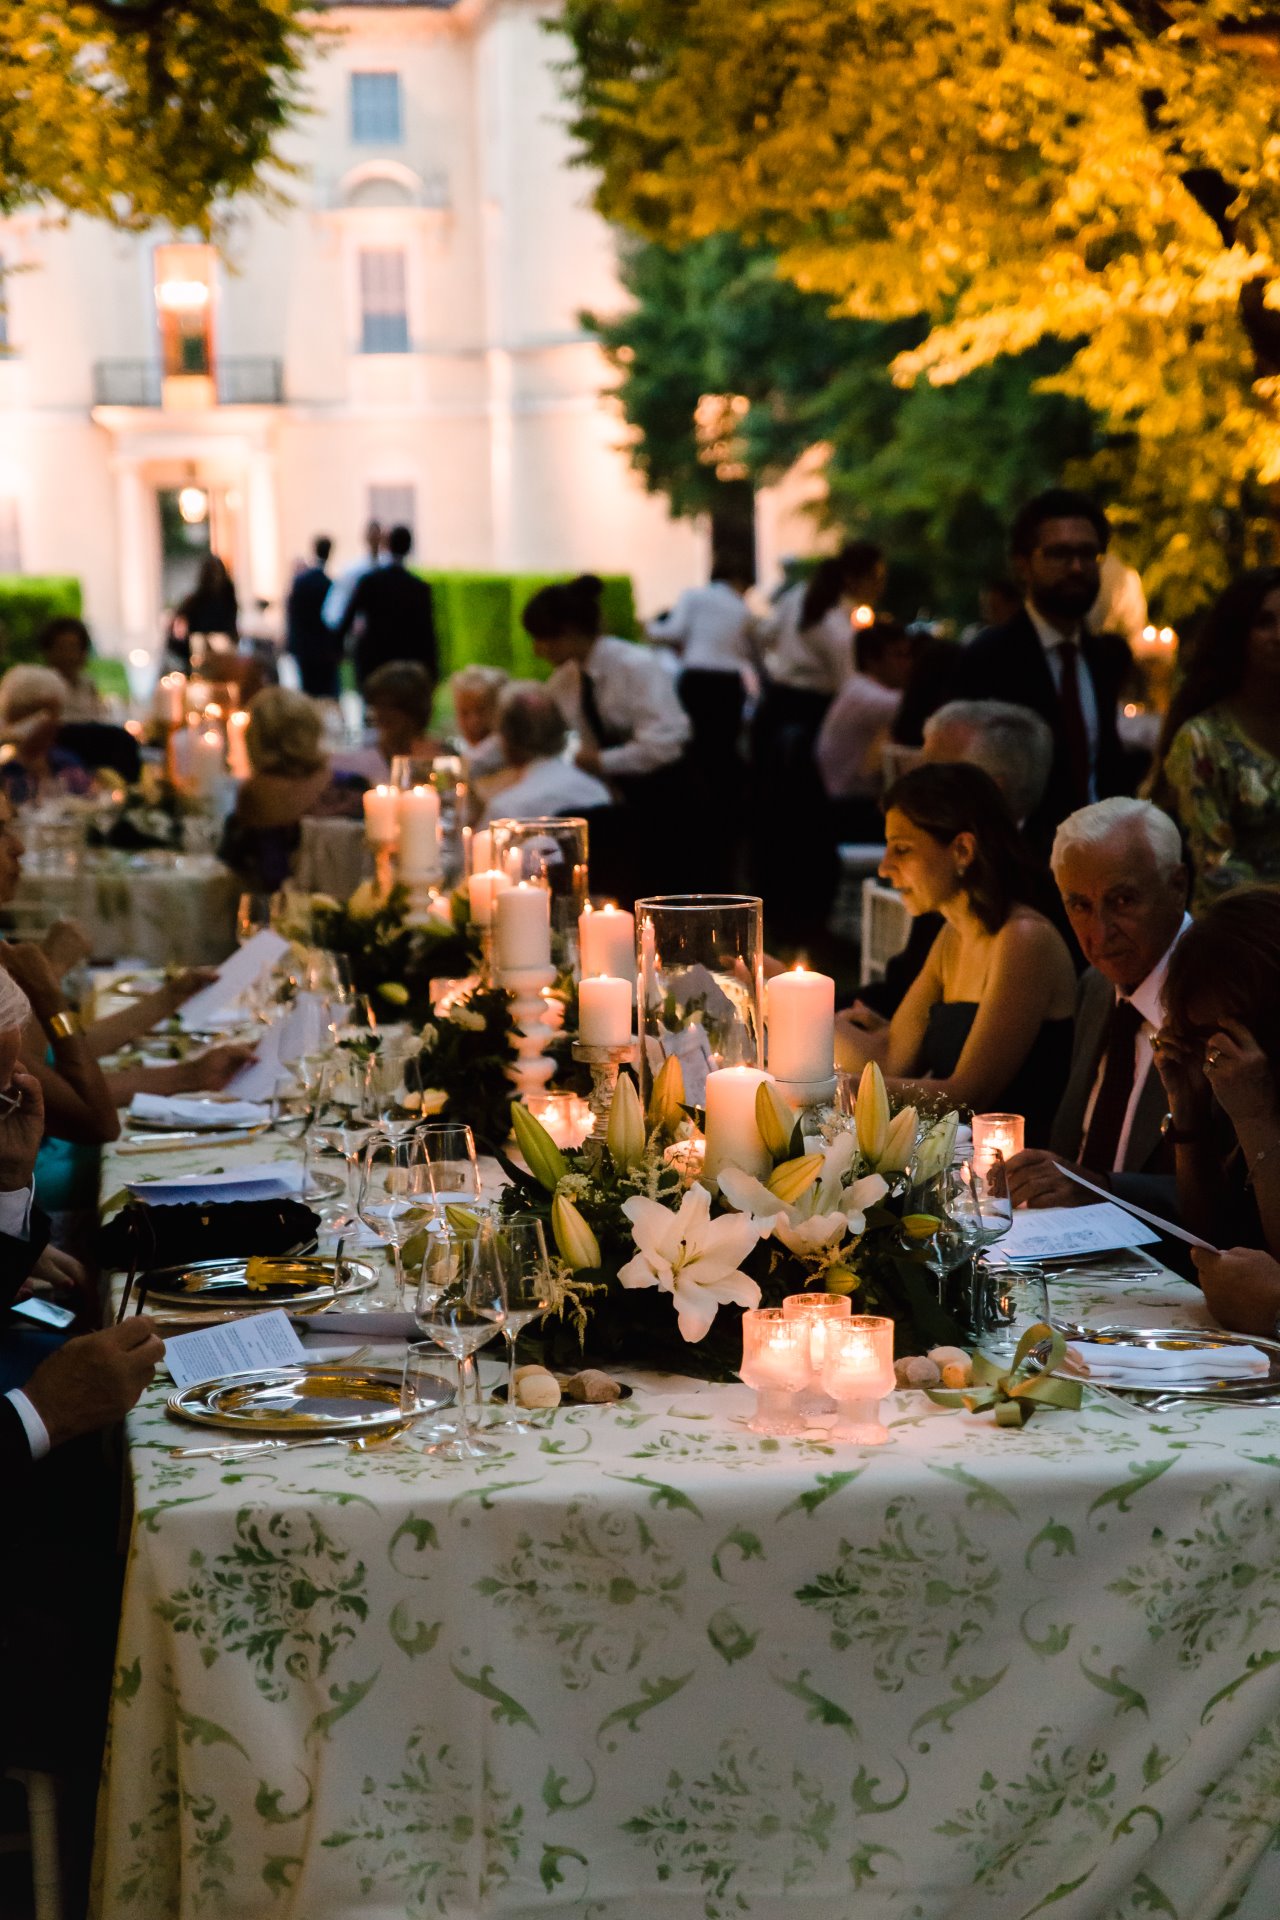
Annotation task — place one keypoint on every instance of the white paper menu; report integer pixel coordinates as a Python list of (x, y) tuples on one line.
[(1056, 1233), (238, 1346), (247, 964)]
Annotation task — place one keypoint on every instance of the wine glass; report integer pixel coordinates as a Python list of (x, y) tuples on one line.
[(343, 1128), (943, 1247), (296, 1098), (451, 1155), (395, 1199), (465, 1310), (522, 1250), (391, 1084)]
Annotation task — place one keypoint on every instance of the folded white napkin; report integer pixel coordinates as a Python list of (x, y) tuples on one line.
[(283, 1180), (187, 1110), (1158, 1367)]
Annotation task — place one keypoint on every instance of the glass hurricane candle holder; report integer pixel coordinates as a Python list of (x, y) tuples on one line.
[(554, 852), (857, 1371), (996, 1134), (817, 1311), (701, 989), (775, 1361)]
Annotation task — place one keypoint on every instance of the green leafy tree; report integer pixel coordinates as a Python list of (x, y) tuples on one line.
[(136, 111)]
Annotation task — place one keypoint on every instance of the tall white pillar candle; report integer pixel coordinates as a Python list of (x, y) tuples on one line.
[(481, 858), (237, 749), (604, 1012), (800, 1013), (522, 928), (733, 1138), (482, 890), (607, 941), (380, 816), (171, 698), (418, 816), (206, 760)]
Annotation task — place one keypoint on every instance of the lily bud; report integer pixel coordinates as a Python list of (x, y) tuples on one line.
[(871, 1114), (793, 1178), (624, 1135), (462, 1219), (666, 1100), (901, 1143), (577, 1245), (775, 1120), (542, 1156), (936, 1149)]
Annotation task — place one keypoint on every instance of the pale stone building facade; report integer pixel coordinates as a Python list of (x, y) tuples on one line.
[(403, 340)]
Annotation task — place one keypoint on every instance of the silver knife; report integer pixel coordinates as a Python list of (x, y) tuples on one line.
[(236, 1449)]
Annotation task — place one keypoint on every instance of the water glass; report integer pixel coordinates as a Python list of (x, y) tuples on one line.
[(451, 1157), (1011, 1300), (395, 1200), (462, 1314), (526, 1271)]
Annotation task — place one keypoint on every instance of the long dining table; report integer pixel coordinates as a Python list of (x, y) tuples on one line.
[(646, 1661)]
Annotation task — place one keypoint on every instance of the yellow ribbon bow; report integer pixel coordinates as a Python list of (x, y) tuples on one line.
[(1016, 1394)]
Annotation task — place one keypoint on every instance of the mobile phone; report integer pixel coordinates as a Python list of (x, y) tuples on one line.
[(46, 1313)]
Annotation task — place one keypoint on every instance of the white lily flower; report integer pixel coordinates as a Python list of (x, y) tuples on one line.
[(819, 1220), (691, 1256), (900, 1142)]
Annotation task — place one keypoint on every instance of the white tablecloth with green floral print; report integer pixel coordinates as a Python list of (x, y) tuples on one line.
[(648, 1663)]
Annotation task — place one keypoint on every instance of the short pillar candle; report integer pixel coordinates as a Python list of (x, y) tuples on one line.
[(607, 941), (733, 1138), (418, 826), (380, 816), (522, 928), (800, 1015), (482, 890), (604, 1012)]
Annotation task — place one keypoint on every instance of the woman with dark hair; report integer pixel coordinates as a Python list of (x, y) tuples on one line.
[(1218, 763), (210, 608), (987, 1023), (65, 646)]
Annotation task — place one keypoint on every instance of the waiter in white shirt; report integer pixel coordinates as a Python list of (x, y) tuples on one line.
[(622, 702), (1119, 868)]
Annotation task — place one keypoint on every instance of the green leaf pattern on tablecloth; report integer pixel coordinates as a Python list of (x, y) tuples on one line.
[(1179, 1584), (1064, 1796)]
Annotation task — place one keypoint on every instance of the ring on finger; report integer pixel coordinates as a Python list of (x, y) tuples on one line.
[(1212, 1058)]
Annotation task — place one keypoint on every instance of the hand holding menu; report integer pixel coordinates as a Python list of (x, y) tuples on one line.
[(240, 970), (1056, 1233)]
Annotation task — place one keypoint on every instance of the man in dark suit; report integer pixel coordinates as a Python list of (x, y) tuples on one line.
[(1119, 868), (392, 615), (315, 647), (1046, 659)]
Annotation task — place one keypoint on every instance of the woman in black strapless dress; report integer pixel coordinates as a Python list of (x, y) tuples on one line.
[(987, 1023)]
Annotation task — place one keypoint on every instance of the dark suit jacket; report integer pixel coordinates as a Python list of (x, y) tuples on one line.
[(1008, 663), (393, 617), (307, 631), (17, 1257), (1147, 1177)]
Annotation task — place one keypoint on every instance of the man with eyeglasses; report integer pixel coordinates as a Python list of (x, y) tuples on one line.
[(1045, 658)]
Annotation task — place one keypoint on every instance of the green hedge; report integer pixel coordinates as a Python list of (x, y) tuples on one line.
[(478, 618), (27, 600)]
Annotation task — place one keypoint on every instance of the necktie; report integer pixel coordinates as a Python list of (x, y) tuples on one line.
[(1074, 733), (602, 736), (1098, 1153)]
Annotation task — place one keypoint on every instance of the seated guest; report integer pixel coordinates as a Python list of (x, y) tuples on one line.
[(65, 646), (32, 701), (1119, 868), (398, 698), (1219, 1058), (475, 692), (290, 780), (858, 724), (987, 1022), (533, 735)]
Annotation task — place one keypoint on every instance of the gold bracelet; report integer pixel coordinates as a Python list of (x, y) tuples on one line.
[(64, 1026)]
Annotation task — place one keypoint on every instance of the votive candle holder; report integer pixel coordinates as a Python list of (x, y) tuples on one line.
[(857, 1371), (776, 1362)]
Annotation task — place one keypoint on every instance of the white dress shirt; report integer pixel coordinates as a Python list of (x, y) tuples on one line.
[(547, 789), (333, 610), (1149, 1000), (1052, 641), (637, 700), (849, 740), (713, 627), (15, 1220), (817, 659)]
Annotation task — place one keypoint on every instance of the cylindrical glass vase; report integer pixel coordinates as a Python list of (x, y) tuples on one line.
[(553, 851), (701, 990)]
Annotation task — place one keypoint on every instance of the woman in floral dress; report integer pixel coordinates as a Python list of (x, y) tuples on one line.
[(1218, 766)]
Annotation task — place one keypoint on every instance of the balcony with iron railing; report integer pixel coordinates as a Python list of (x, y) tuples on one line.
[(240, 381)]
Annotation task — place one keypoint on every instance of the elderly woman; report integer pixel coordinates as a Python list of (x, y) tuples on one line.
[(291, 780), (398, 697), (475, 692), (32, 708), (533, 735)]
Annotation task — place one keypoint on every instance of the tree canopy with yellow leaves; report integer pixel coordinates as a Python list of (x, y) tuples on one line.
[(141, 110), (1100, 172)]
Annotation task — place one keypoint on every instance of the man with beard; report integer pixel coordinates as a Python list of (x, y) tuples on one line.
[(1046, 659)]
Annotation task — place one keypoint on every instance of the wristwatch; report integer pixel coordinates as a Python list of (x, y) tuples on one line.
[(64, 1025), (1176, 1136)]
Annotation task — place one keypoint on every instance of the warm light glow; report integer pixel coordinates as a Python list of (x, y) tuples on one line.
[(1167, 636), (1130, 711), (134, 727), (864, 616), (182, 296), (1148, 633), (139, 657), (193, 505), (211, 738), (213, 711), (239, 718)]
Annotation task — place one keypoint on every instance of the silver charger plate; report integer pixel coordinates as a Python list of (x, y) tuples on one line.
[(1187, 1340), (205, 1129), (303, 1401), (223, 1286)]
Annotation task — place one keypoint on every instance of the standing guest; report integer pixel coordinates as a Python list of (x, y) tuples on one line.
[(290, 780), (987, 1022), (1218, 762), (809, 641), (210, 608), (475, 692), (338, 598), (620, 700), (545, 784), (307, 638), (398, 699), (392, 614), (857, 726), (1119, 869), (65, 646), (713, 631), (1046, 658), (31, 709)]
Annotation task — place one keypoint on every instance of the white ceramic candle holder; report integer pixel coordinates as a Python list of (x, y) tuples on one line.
[(534, 1065)]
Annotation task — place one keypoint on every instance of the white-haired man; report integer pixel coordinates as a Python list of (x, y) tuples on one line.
[(1119, 869), (1012, 744)]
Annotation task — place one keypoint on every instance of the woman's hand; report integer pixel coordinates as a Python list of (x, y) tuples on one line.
[(65, 946), (1241, 1288), (1182, 1073), (1240, 1075), (27, 965), (177, 991), (210, 1071)]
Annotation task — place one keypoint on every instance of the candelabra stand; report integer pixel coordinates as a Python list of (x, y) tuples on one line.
[(384, 866), (423, 890), (604, 1064), (534, 1065), (482, 937)]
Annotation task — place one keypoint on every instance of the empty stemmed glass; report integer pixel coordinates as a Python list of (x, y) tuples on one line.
[(343, 1127), (941, 1246), (526, 1270), (465, 1310), (296, 1099), (451, 1155), (393, 1090), (395, 1198)]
